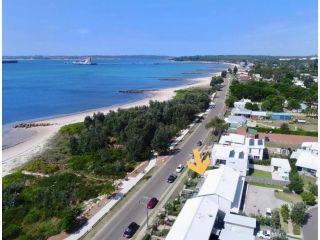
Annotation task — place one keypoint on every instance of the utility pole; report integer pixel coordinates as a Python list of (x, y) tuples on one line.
[(144, 201)]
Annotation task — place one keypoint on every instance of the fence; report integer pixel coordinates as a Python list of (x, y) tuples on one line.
[(266, 181)]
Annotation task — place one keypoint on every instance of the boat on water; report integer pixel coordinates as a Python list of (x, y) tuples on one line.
[(87, 61), (9, 61)]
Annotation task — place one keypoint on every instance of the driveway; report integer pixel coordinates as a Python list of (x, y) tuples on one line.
[(310, 230), (258, 199)]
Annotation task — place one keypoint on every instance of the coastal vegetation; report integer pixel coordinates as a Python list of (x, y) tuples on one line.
[(271, 95), (85, 158)]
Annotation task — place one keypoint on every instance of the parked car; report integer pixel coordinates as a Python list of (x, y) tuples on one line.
[(171, 178), (131, 230), (152, 203), (179, 168), (264, 234), (199, 143), (269, 212)]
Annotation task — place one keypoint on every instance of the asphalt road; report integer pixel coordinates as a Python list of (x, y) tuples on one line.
[(133, 211), (310, 230)]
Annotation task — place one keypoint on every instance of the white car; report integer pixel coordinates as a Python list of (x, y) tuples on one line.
[(264, 234), (269, 212), (179, 168)]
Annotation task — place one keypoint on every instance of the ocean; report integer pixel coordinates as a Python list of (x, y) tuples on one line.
[(37, 89)]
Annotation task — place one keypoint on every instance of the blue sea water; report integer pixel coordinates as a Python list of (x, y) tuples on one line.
[(35, 89)]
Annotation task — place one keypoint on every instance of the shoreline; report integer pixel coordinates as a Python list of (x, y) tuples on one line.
[(21, 152)]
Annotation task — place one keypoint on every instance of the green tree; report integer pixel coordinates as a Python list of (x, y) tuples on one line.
[(224, 73), (293, 104), (285, 212), (218, 125), (279, 235), (69, 220), (284, 128), (235, 70), (230, 101), (296, 183), (275, 219), (230, 70), (74, 145), (298, 213), (216, 81), (161, 139), (252, 106), (308, 198)]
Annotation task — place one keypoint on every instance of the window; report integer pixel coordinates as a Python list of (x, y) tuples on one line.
[(251, 142), (260, 142), (231, 154), (241, 155)]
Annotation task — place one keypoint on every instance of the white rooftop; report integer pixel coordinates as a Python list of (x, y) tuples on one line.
[(236, 119), (232, 138), (222, 181), (309, 145), (240, 111), (240, 220), (195, 220), (231, 235), (237, 151), (307, 160), (281, 162), (259, 113)]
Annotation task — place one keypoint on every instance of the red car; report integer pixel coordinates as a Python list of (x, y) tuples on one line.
[(152, 203)]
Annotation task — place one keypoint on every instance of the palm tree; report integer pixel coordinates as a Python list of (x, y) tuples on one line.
[(218, 125)]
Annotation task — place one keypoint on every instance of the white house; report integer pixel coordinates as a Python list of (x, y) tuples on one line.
[(241, 103), (225, 186), (280, 169), (236, 120), (220, 193), (234, 156), (238, 227), (255, 148), (195, 220), (241, 112), (307, 158)]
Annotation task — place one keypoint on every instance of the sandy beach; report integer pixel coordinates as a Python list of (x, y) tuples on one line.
[(22, 152)]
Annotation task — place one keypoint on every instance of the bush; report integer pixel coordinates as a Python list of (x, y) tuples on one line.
[(313, 188), (41, 166), (275, 219), (285, 212), (262, 162), (296, 183), (163, 232), (298, 213), (261, 220), (308, 198), (147, 236), (296, 229), (286, 190)]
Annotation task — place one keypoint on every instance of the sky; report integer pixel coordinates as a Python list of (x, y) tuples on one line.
[(163, 27)]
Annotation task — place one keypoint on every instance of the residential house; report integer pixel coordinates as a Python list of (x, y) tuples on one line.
[(307, 158), (236, 121), (258, 115), (241, 103), (241, 112), (233, 156), (195, 220), (280, 169), (256, 148), (237, 227), (225, 186)]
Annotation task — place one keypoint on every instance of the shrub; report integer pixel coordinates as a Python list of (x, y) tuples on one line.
[(147, 236), (41, 166), (296, 229), (308, 198), (296, 183), (313, 188), (262, 162), (285, 212), (275, 219), (298, 213)]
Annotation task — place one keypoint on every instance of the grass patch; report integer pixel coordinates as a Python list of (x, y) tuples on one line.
[(72, 129), (265, 185), (308, 179), (299, 132), (288, 197), (259, 173)]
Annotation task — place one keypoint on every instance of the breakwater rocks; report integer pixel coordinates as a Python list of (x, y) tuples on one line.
[(138, 90), (31, 125)]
